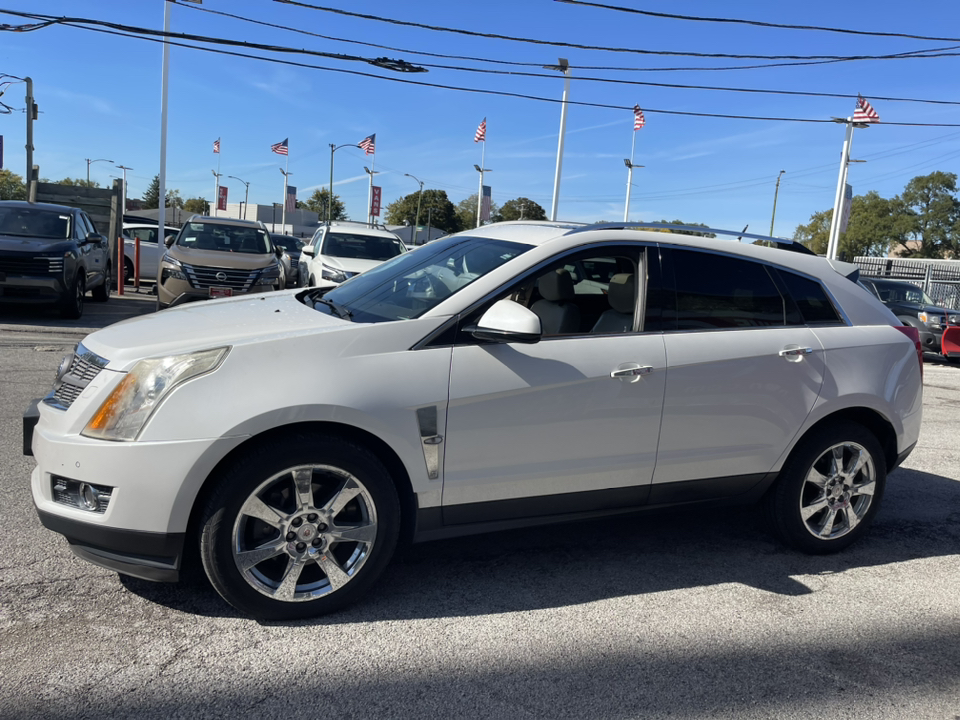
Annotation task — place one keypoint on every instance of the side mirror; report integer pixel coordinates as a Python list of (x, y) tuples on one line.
[(168, 240), (93, 237), (507, 321), (307, 250), (278, 251)]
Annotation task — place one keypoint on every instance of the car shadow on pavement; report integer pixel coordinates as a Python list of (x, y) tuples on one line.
[(96, 315), (583, 562)]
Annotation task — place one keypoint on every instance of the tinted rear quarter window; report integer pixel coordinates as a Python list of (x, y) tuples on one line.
[(811, 299), (718, 291)]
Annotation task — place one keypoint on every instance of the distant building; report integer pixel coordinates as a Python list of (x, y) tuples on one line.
[(422, 235)]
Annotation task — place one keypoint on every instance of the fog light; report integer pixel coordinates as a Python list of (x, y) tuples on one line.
[(89, 496)]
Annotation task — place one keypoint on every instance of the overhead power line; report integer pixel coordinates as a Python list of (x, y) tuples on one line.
[(78, 24), (929, 53), (756, 23), (559, 43)]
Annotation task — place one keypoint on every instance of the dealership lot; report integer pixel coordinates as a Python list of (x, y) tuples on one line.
[(680, 615)]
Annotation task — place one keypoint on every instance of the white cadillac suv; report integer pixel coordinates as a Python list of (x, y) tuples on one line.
[(518, 373)]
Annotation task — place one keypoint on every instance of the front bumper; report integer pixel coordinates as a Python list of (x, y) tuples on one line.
[(146, 555), (179, 295), (27, 289)]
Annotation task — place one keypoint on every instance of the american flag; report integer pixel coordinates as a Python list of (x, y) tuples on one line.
[(216, 145), (638, 119), (481, 135), (280, 148), (368, 144), (864, 112)]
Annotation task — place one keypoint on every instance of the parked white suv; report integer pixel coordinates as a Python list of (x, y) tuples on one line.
[(516, 374), (340, 250)]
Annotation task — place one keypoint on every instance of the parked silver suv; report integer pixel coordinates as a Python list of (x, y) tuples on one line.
[(217, 257)]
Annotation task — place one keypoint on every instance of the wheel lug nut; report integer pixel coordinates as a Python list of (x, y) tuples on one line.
[(322, 527), (317, 542), (301, 547), (291, 536), (297, 522), (312, 517)]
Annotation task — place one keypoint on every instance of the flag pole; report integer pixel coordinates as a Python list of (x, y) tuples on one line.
[(483, 154), (283, 215), (373, 167), (832, 242), (216, 190), (633, 146)]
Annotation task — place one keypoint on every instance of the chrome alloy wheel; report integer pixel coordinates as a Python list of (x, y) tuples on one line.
[(304, 533), (838, 491)]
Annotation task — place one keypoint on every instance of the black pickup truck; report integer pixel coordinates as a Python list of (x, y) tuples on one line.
[(51, 254), (914, 308)]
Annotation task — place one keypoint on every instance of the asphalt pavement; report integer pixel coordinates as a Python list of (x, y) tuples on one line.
[(686, 615)]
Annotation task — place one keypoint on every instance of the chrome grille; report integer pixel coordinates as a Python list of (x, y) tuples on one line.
[(205, 277), (83, 368), (25, 265)]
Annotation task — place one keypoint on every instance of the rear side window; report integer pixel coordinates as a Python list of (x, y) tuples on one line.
[(718, 291), (811, 299)]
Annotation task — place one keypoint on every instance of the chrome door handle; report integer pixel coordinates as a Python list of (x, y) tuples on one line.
[(630, 370), (795, 353)]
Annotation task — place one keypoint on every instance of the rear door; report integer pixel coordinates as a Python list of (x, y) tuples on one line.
[(743, 373)]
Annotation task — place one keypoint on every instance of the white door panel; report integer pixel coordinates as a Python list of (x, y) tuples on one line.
[(733, 402), (548, 418)]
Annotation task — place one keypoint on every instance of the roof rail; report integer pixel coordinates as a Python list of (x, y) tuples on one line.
[(780, 243)]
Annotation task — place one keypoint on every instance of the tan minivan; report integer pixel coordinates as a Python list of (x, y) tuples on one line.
[(217, 257)]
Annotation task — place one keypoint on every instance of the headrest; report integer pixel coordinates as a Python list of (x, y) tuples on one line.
[(623, 293), (556, 286)]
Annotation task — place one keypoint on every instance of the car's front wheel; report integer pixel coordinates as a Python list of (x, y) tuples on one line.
[(299, 527), (101, 293), (71, 305), (829, 490)]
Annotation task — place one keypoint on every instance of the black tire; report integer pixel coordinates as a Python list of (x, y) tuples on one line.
[(101, 293), (71, 305), (307, 532), (127, 271), (820, 519)]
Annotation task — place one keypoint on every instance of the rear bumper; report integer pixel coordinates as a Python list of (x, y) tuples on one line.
[(146, 555)]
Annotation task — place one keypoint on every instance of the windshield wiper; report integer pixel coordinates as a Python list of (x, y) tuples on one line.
[(339, 310)]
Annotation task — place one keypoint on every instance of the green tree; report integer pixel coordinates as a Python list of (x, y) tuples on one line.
[(930, 221), (12, 186), (318, 203), (79, 182), (151, 198), (435, 205), (873, 227), (815, 234), (467, 210), (520, 208), (197, 205)]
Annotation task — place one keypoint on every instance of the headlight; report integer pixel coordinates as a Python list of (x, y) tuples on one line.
[(954, 319), (171, 268), (329, 273), (129, 406), (271, 273)]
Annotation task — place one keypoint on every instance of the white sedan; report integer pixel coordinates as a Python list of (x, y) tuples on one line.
[(479, 383), (150, 251)]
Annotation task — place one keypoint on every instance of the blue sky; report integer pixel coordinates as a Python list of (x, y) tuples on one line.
[(100, 98)]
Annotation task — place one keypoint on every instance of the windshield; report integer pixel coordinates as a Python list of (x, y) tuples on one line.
[(409, 285), (904, 293), (34, 223), (360, 247), (288, 242), (224, 238)]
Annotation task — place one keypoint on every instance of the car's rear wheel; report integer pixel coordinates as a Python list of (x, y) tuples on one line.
[(127, 271), (299, 527), (829, 490), (71, 305), (101, 293)]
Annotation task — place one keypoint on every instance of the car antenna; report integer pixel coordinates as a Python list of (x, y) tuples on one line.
[(743, 231)]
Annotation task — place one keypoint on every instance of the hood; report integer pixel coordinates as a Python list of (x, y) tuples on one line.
[(222, 259), (18, 243), (352, 265), (208, 324)]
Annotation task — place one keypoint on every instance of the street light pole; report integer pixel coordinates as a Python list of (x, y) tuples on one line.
[(124, 200), (216, 192), (283, 213), (246, 196), (834, 238), (90, 162), (564, 67), (416, 225), (775, 193)]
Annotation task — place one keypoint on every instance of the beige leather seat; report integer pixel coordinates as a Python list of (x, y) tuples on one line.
[(556, 310), (622, 296)]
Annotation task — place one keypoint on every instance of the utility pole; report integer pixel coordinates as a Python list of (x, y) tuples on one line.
[(563, 67), (416, 224), (31, 116), (775, 193)]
